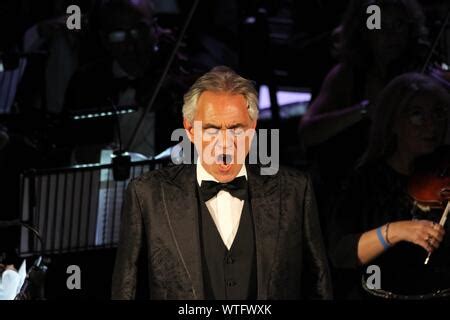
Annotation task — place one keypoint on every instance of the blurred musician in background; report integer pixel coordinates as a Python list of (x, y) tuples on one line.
[(375, 220), (335, 128), (136, 50)]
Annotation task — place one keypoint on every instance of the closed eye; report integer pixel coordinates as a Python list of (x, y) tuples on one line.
[(211, 131), (237, 131)]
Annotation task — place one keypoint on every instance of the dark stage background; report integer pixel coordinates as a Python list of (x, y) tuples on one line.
[(52, 77)]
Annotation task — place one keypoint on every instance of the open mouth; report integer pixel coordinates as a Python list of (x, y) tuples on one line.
[(224, 161)]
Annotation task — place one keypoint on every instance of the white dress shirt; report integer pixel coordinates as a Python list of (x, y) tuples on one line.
[(225, 209)]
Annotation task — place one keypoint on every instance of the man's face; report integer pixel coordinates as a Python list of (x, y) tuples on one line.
[(222, 133)]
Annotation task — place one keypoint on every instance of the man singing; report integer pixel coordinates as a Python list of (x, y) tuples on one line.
[(220, 229)]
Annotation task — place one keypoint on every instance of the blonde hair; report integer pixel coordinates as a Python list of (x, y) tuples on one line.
[(221, 79)]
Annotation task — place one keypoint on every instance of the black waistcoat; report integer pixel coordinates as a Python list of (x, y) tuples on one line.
[(228, 274)]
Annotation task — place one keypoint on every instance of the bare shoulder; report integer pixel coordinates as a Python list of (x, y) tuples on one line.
[(339, 79), (335, 91), (342, 71)]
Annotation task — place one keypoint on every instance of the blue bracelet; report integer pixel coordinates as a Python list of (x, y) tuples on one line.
[(382, 240)]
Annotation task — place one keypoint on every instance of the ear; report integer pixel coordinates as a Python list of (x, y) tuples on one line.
[(189, 129)]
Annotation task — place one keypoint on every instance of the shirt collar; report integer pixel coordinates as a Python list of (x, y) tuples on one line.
[(203, 175)]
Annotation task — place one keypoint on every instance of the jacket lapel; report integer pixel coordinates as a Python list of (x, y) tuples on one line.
[(180, 203), (266, 203)]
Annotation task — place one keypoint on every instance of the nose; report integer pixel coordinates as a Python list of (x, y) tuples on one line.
[(225, 141)]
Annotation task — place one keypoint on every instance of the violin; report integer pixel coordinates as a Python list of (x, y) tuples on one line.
[(429, 186)]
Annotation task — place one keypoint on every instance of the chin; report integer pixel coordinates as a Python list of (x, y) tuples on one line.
[(226, 173)]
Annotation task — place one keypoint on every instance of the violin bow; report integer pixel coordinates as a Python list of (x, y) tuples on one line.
[(441, 223), (435, 42), (163, 77)]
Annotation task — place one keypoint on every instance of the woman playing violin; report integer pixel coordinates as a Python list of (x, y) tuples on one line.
[(375, 222), (336, 126)]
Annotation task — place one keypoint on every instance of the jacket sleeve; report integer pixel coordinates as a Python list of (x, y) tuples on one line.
[(130, 243), (345, 225), (316, 275)]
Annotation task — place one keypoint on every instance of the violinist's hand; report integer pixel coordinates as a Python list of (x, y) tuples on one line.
[(424, 233)]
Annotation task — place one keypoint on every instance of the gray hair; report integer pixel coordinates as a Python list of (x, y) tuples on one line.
[(221, 79)]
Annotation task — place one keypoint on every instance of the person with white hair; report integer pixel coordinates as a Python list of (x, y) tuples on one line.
[(219, 229)]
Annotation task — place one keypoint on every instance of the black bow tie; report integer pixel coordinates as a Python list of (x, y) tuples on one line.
[(237, 188)]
